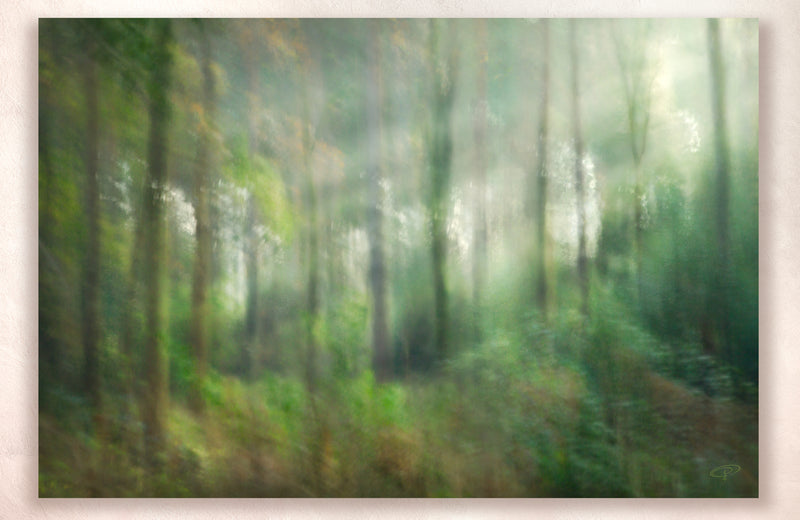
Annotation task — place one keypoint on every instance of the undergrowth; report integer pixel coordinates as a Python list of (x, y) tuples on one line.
[(573, 409)]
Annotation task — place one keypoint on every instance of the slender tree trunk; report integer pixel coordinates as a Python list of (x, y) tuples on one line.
[(639, 226), (481, 165), (251, 276), (251, 337), (156, 397), (637, 90), (583, 273), (130, 319), (312, 290), (722, 186), (51, 341), (541, 177), (443, 62), (91, 311), (91, 289), (329, 248), (312, 235), (202, 263), (49, 344), (377, 265), (318, 415)]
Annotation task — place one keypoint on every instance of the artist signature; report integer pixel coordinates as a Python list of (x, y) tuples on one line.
[(725, 471)]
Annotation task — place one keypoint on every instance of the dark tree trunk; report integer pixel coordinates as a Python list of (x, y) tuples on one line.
[(130, 319), (377, 265), (722, 188), (202, 262), (91, 311), (50, 350), (443, 62), (312, 233), (156, 391)]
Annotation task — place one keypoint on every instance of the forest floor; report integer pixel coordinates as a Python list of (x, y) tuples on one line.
[(489, 426)]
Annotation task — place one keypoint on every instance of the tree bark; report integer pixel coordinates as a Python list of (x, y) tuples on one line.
[(722, 187), (443, 62), (49, 344), (156, 392), (541, 178), (377, 265), (202, 262), (312, 231), (91, 304)]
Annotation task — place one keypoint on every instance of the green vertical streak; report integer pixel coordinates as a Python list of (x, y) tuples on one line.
[(202, 263), (481, 165), (541, 177), (377, 267), (443, 64), (156, 398), (722, 188), (583, 275), (91, 325)]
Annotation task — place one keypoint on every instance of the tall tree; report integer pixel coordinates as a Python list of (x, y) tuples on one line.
[(202, 191), (377, 264), (156, 396), (722, 186), (91, 311), (443, 62), (542, 289), (135, 44), (637, 86), (312, 214), (250, 234), (577, 136), (481, 165), (50, 354)]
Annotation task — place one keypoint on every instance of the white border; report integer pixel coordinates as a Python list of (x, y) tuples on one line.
[(779, 269)]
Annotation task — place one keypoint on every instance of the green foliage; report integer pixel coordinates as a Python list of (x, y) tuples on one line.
[(179, 354), (260, 176), (346, 337), (640, 396)]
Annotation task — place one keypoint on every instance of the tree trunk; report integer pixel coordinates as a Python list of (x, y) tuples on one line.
[(251, 275), (722, 188), (312, 234), (632, 64), (49, 347), (377, 265), (443, 62), (251, 337), (156, 392), (130, 319), (541, 178), (202, 262), (91, 317), (583, 272), (480, 136)]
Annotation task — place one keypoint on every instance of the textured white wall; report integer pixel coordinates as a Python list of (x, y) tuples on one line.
[(779, 272)]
